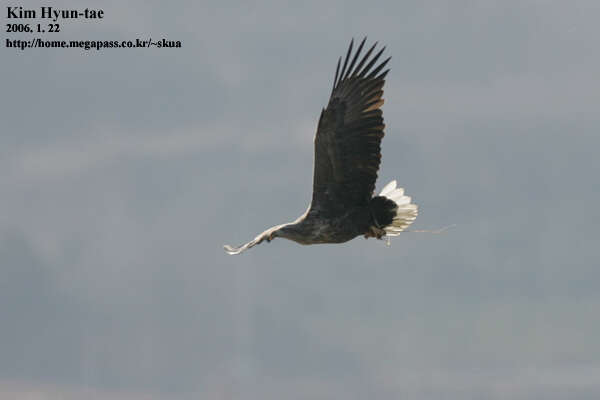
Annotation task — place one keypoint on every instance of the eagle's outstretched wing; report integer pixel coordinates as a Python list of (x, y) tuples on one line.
[(347, 143)]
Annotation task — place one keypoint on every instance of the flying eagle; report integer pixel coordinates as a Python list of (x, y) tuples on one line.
[(347, 158)]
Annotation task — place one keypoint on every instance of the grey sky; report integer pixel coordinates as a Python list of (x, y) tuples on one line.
[(125, 171)]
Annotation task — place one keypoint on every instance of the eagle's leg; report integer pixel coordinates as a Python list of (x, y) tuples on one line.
[(374, 232)]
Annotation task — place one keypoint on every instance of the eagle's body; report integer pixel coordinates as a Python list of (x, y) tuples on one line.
[(315, 229), (347, 158)]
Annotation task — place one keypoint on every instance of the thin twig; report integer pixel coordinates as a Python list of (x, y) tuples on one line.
[(441, 230)]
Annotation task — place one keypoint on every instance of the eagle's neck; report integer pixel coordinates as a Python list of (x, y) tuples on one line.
[(300, 231), (294, 231)]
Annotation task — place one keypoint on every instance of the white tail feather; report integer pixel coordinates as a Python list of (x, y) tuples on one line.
[(406, 212), (388, 188)]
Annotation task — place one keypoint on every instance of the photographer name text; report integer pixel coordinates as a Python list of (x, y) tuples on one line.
[(52, 13)]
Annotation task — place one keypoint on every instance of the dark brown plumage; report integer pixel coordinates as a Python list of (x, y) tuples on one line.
[(347, 158)]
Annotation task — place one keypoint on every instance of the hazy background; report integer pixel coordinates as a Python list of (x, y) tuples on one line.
[(124, 171)]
